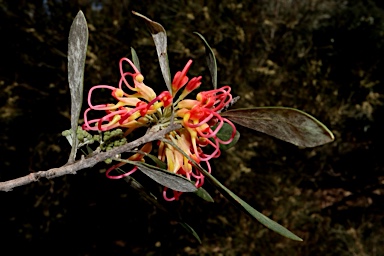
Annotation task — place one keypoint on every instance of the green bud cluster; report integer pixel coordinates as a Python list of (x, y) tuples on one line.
[(112, 139), (84, 136), (108, 161), (107, 140), (66, 133)]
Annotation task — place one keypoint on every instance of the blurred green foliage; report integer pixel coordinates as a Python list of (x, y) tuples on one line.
[(321, 56)]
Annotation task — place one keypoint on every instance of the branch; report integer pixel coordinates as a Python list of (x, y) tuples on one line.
[(85, 162)]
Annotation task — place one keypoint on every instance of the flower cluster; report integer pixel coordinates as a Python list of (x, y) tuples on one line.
[(199, 118)]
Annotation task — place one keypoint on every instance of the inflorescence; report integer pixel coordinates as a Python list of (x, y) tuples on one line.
[(199, 118)]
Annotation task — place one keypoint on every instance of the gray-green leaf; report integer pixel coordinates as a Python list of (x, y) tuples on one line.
[(288, 124), (225, 134), (160, 38), (190, 230), (77, 49), (201, 192), (149, 197), (249, 209), (238, 201), (165, 178), (135, 59), (211, 60)]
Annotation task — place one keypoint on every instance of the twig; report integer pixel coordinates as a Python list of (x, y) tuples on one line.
[(85, 162)]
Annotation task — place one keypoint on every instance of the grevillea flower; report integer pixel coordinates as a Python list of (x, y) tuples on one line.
[(200, 120)]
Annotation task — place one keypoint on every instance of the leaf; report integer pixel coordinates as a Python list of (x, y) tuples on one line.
[(249, 209), (288, 124), (135, 59), (225, 134), (164, 177), (160, 38), (190, 230), (157, 161), (167, 179), (201, 192), (238, 201), (77, 48), (150, 198), (89, 150), (146, 194), (211, 60)]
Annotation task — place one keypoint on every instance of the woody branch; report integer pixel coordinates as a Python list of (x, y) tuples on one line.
[(85, 162)]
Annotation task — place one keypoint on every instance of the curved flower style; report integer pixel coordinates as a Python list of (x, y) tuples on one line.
[(200, 120)]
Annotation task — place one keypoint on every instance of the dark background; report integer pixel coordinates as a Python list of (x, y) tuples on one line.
[(322, 56)]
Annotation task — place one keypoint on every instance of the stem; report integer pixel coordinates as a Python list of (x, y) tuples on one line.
[(85, 162)]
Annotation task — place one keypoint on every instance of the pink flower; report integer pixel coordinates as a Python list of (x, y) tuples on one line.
[(200, 120)]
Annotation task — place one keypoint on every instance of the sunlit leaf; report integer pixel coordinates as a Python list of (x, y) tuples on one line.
[(225, 134), (238, 201), (164, 177), (201, 192), (160, 38), (77, 48), (135, 59), (288, 124), (211, 60)]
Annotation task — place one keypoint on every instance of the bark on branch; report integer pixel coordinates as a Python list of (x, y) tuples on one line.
[(85, 162)]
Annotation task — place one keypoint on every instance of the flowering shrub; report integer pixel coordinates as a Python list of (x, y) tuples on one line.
[(184, 133)]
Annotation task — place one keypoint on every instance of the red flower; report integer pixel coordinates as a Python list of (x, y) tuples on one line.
[(200, 120)]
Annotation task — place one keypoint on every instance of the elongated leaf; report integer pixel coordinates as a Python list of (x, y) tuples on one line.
[(77, 48), (168, 179), (190, 230), (201, 192), (135, 59), (249, 209), (238, 201), (157, 161), (150, 198), (146, 194), (160, 164), (225, 134), (164, 177), (211, 60), (288, 124), (160, 38)]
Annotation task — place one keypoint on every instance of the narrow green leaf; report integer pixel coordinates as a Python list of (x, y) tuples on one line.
[(135, 59), (157, 161), (225, 134), (164, 177), (77, 49), (150, 198), (146, 194), (238, 201), (160, 38), (249, 209), (89, 150), (211, 60), (288, 124), (190, 230), (201, 192)]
